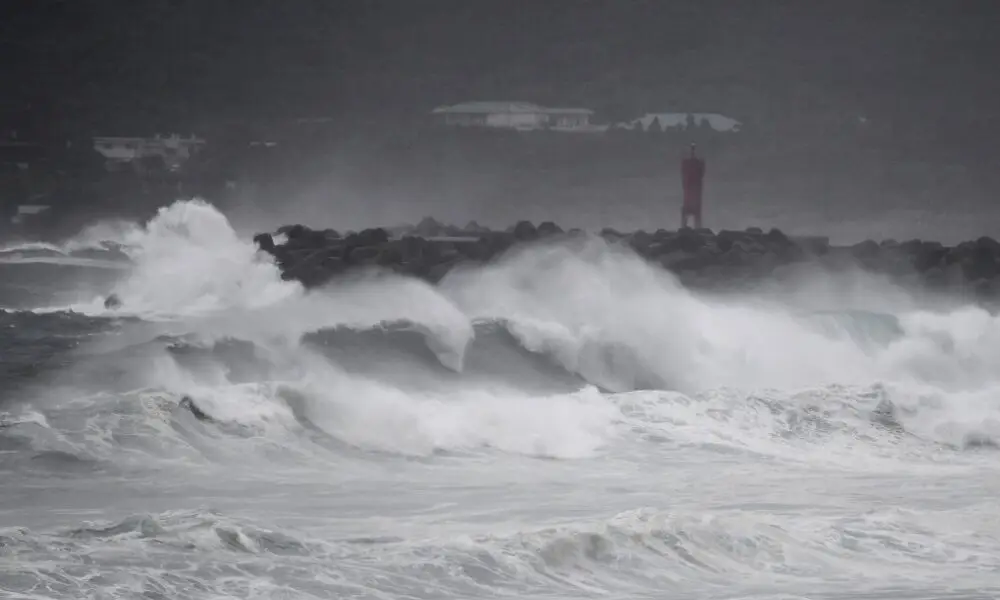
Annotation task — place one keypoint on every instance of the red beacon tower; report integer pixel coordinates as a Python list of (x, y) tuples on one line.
[(692, 179)]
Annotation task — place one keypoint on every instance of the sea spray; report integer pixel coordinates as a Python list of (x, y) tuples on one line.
[(188, 260), (738, 445)]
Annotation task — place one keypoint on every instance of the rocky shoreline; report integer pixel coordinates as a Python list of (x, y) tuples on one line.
[(700, 258)]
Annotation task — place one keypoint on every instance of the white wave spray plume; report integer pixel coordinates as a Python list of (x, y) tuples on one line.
[(188, 260), (692, 442), (622, 323), (599, 311)]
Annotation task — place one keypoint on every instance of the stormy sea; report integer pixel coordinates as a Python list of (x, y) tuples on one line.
[(560, 423)]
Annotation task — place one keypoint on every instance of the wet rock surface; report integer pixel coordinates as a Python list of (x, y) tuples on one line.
[(701, 258)]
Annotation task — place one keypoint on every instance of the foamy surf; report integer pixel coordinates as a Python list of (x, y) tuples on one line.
[(64, 261), (566, 422)]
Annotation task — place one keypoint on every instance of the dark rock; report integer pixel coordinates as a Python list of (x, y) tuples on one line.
[(548, 228), (449, 252), (698, 257), (473, 227), (741, 252), (980, 261), (431, 252), (924, 255), (865, 249), (303, 237), (674, 261), (389, 256), (777, 243), (478, 250), (725, 239), (453, 231), (641, 241), (410, 248), (428, 227), (188, 404), (400, 231), (525, 231), (289, 256), (691, 240), (989, 244), (265, 242), (312, 267), (816, 245), (499, 242), (333, 264), (681, 260), (372, 237), (363, 255), (777, 239), (292, 231)]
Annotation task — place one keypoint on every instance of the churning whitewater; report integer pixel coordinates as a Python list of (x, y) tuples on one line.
[(566, 422)]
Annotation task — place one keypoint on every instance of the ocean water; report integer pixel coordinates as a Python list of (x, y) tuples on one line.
[(567, 422)]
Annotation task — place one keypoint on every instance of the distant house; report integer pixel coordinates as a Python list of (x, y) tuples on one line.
[(15, 155), (26, 211), (666, 121), (174, 150), (522, 116)]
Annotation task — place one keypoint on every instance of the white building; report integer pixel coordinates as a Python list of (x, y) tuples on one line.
[(174, 150), (522, 116), (25, 211), (681, 121)]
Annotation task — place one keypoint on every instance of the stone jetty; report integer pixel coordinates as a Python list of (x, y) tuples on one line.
[(701, 258)]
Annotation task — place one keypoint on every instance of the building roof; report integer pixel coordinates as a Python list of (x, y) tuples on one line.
[(15, 152), (157, 138), (490, 107), (680, 120), (505, 107), (569, 111)]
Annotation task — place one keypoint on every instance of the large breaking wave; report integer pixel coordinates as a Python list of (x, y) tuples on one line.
[(417, 410), (573, 352), (552, 350)]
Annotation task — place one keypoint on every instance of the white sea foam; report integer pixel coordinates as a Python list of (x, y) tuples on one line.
[(796, 446)]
